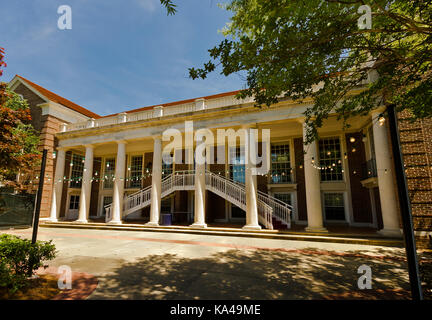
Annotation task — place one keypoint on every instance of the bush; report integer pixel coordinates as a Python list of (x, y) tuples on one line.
[(19, 259)]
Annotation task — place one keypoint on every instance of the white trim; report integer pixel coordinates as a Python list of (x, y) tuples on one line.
[(13, 84), (346, 212), (61, 112)]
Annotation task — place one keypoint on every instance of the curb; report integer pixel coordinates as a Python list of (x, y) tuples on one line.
[(264, 234)]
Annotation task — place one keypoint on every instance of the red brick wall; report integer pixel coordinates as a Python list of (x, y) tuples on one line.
[(33, 100), (300, 179), (416, 143), (94, 196), (361, 202)]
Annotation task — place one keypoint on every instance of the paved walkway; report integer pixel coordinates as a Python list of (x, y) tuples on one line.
[(161, 265)]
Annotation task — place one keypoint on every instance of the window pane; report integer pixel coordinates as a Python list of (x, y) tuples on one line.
[(136, 171), (281, 164), (109, 173), (330, 159), (77, 165), (334, 206), (167, 169), (284, 197), (237, 164)]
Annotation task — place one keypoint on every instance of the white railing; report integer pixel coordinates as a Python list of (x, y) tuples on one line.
[(281, 210), (157, 112), (234, 192)]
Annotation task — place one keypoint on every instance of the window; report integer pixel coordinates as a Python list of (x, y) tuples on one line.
[(284, 197), (237, 164), (280, 164), (77, 169), (136, 171), (167, 169), (109, 173), (334, 207), (74, 202), (330, 159)]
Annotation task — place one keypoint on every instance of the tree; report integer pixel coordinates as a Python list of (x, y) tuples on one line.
[(169, 6), (297, 49), (18, 138)]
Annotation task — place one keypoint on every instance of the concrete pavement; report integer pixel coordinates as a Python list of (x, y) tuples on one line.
[(161, 265)]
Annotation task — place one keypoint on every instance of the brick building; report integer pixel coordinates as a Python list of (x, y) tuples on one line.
[(48, 112), (110, 168)]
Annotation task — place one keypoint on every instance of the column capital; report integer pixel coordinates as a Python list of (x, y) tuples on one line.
[(157, 137), (61, 149), (378, 110), (121, 141), (301, 120), (249, 126), (89, 146)]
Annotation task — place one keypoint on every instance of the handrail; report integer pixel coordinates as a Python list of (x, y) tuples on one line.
[(233, 191)]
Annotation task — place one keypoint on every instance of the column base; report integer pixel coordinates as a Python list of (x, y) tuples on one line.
[(315, 229), (152, 224), (252, 227), (395, 233), (52, 220), (198, 225), (114, 222), (81, 221)]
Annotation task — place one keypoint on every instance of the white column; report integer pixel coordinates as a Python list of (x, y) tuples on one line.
[(386, 184), (312, 187), (251, 186), (155, 204), (117, 205), (58, 185), (200, 193), (84, 204)]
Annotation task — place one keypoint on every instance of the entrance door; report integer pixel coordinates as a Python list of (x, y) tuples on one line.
[(237, 174), (72, 212)]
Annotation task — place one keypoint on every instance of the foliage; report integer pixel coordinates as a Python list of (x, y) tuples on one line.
[(2, 63), (19, 259), (297, 49), (170, 6), (18, 138)]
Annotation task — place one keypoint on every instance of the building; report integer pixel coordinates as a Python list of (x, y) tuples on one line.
[(110, 168)]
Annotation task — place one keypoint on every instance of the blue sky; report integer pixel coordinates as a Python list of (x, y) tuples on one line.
[(119, 55)]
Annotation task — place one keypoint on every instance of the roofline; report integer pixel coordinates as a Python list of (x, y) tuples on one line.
[(214, 96), (72, 105)]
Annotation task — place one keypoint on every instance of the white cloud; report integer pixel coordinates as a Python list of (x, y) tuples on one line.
[(148, 5)]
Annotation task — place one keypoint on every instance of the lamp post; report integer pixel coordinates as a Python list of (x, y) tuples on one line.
[(39, 197), (405, 207)]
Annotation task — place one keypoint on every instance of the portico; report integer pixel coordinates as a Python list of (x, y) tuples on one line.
[(120, 175)]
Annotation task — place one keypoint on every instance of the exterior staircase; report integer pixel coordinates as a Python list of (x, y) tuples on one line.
[(272, 213)]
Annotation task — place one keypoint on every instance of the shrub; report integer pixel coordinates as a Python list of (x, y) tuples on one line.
[(19, 259)]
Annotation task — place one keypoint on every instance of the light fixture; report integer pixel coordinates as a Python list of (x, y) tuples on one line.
[(352, 139), (353, 150), (381, 119)]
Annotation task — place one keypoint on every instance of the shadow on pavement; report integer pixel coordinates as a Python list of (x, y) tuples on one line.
[(254, 274)]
